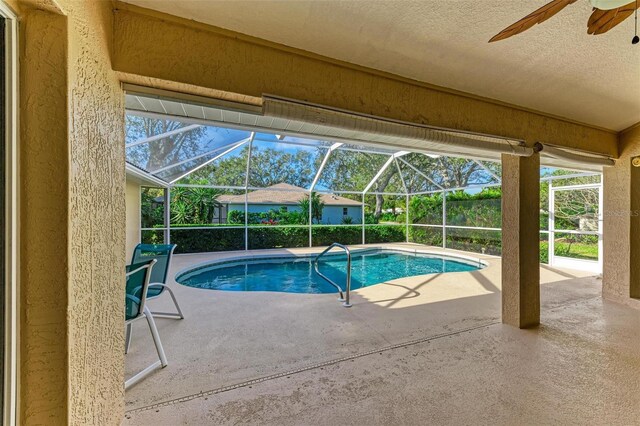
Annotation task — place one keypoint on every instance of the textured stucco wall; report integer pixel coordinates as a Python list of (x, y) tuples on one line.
[(44, 191), (72, 216), (151, 44), (96, 220), (520, 236), (621, 230), (132, 202)]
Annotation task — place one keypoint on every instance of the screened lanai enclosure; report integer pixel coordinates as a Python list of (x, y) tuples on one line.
[(222, 180)]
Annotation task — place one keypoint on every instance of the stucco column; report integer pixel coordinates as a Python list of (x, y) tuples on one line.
[(520, 240), (44, 237), (621, 227), (72, 217)]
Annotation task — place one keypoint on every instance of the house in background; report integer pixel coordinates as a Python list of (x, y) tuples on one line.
[(283, 195)]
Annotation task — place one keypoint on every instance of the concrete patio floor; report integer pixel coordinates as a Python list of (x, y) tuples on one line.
[(404, 349)]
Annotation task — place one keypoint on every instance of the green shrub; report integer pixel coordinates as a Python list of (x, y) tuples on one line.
[(278, 237), (388, 217), (326, 235), (544, 251), (385, 234), (425, 235), (482, 209), (475, 240), (271, 217), (370, 219), (294, 218), (151, 207), (426, 209), (207, 240), (235, 217), (347, 220), (152, 237)]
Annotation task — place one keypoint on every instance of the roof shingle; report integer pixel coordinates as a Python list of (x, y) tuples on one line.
[(285, 194)]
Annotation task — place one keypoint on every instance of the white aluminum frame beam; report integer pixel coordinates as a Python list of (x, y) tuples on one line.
[(404, 184), (415, 169), (213, 151), (324, 162), (380, 172), (164, 135), (495, 176), (209, 161)]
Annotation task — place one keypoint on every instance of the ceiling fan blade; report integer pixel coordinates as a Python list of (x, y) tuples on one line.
[(600, 23), (596, 15), (540, 15)]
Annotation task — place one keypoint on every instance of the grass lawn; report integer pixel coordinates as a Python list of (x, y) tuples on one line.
[(586, 251)]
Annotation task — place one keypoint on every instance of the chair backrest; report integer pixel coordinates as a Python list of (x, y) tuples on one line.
[(160, 252), (138, 275)]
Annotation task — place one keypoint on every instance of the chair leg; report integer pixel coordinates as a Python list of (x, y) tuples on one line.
[(178, 315), (175, 302), (156, 340), (127, 337), (156, 337)]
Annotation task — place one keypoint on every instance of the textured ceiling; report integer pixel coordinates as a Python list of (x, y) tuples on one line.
[(554, 67)]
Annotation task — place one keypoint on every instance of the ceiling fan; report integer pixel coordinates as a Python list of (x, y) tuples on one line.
[(606, 15)]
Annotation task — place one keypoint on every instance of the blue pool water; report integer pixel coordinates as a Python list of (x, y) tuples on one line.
[(296, 275)]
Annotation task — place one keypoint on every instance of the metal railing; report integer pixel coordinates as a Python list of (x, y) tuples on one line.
[(344, 297)]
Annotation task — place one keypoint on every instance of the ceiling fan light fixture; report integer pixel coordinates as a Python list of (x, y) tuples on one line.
[(608, 4), (635, 38)]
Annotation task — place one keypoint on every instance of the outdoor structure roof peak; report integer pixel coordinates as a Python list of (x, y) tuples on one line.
[(284, 194)]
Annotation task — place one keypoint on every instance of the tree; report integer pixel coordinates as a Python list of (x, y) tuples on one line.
[(317, 205), (268, 167), (452, 172), (229, 170), (193, 205), (272, 166), (448, 172), (151, 207), (156, 154), (570, 205)]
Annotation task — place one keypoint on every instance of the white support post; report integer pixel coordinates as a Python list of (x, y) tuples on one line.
[(313, 185), (140, 214), (311, 218), (600, 226), (551, 224), (246, 193), (406, 217), (167, 215), (406, 191), (363, 230), (444, 219)]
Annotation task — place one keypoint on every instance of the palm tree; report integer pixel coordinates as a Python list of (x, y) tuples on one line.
[(317, 205), (180, 213), (194, 205)]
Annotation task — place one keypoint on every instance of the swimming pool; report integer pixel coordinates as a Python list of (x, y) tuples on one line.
[(295, 274)]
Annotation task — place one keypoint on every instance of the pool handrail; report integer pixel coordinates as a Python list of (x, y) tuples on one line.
[(345, 300)]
